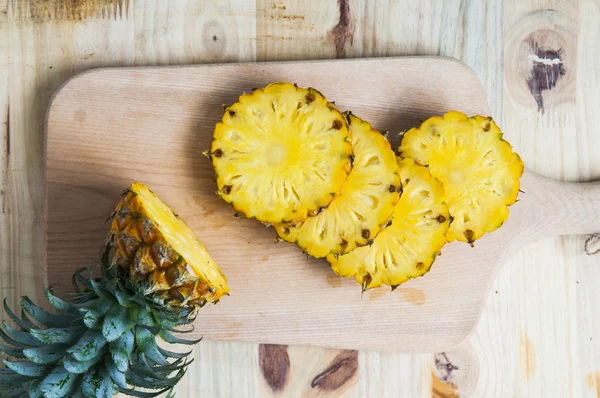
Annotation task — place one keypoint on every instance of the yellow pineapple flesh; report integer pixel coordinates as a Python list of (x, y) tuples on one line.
[(161, 251), (280, 153), (365, 205), (478, 169), (407, 248)]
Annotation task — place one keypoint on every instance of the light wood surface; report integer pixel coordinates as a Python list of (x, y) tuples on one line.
[(539, 330), (162, 119)]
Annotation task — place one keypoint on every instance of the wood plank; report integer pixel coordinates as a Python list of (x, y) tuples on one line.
[(178, 33), (540, 113), (537, 298), (586, 369)]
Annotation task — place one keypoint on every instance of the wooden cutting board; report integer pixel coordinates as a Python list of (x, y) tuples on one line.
[(109, 127)]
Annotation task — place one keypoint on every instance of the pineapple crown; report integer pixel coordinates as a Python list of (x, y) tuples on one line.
[(100, 342)]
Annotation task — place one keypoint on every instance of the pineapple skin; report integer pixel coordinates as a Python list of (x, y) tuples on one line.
[(406, 248), (365, 205), (280, 153), (141, 246), (477, 167)]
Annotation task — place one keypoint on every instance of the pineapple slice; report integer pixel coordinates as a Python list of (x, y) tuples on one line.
[(281, 153), (478, 169), (407, 248), (161, 251), (355, 217)]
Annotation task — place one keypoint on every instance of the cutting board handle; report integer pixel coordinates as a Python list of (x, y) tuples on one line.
[(561, 208)]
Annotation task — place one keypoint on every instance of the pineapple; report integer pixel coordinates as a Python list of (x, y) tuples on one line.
[(280, 153), (365, 205), (478, 169), (161, 252), (407, 248), (155, 274)]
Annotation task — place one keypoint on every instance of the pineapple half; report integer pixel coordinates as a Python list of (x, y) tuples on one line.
[(365, 205), (478, 169), (161, 252), (155, 274), (407, 248), (280, 153)]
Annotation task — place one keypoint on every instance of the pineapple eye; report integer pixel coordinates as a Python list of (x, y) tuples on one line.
[(470, 236)]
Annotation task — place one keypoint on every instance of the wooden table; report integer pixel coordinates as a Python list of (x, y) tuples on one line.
[(539, 335)]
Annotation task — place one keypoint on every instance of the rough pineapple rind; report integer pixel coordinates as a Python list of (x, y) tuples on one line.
[(161, 251), (407, 248), (280, 153), (365, 205), (478, 169)]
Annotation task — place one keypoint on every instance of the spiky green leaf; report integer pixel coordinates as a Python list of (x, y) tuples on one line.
[(152, 383), (146, 342), (11, 380), (56, 335), (171, 338), (46, 318), (80, 367), (144, 368), (4, 336), (94, 311), (77, 394), (21, 337), (11, 351), (18, 392), (116, 375), (61, 305), (171, 327), (124, 299), (121, 350), (116, 322), (59, 382), (141, 316), (142, 394), (88, 346), (78, 279), (97, 383), (46, 354), (102, 291), (33, 390), (139, 299), (171, 354), (29, 369), (23, 323)]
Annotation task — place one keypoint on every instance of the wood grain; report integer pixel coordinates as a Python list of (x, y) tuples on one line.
[(536, 291)]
